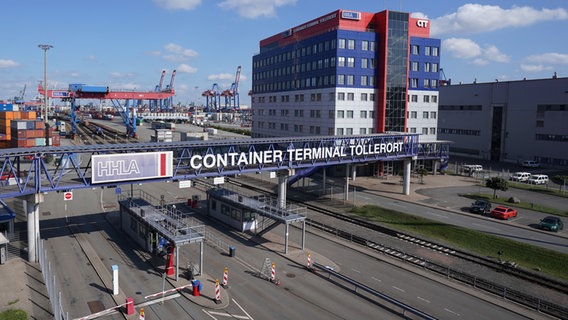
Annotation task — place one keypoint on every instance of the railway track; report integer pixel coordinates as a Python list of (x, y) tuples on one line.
[(93, 133), (426, 263)]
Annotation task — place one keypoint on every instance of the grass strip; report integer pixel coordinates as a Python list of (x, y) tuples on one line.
[(524, 255)]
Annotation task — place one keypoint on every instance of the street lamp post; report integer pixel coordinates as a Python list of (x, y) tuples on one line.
[(45, 47)]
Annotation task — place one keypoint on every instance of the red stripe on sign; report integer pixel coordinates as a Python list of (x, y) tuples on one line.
[(162, 164)]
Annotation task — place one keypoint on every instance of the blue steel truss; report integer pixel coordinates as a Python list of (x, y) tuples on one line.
[(71, 165)]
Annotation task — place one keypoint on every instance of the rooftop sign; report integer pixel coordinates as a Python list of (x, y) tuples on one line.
[(131, 166), (351, 15)]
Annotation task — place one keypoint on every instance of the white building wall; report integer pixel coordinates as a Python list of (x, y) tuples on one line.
[(423, 114)]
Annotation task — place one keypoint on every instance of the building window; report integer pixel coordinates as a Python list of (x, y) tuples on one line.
[(415, 49), (341, 79), (350, 62), (340, 114), (426, 98), (371, 98), (329, 131), (413, 114), (351, 44), (427, 50), (427, 67), (349, 131), (434, 67), (372, 46), (424, 130), (414, 66), (425, 115), (412, 130), (350, 96), (350, 114), (341, 96), (339, 131), (433, 115), (341, 45), (363, 114), (364, 63), (435, 51), (364, 80), (432, 130), (350, 80), (434, 99), (434, 83), (362, 131), (365, 45), (413, 82), (341, 61), (363, 97), (331, 96), (414, 98), (426, 83)]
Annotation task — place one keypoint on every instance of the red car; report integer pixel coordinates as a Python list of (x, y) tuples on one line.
[(502, 212)]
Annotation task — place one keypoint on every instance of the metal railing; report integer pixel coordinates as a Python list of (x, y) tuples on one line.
[(51, 285)]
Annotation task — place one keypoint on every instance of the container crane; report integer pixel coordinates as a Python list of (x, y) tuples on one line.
[(443, 80), (212, 98), (232, 95)]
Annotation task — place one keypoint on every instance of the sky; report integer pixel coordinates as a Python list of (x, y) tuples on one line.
[(126, 44)]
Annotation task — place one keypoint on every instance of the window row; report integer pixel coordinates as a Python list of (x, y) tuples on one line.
[(427, 66), (424, 130), (314, 97), (350, 44), (426, 50), (425, 115), (464, 132), (425, 98), (349, 62), (426, 83), (319, 81)]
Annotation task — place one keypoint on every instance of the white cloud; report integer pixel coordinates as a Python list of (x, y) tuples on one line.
[(177, 53), (476, 18), (220, 76), (467, 49), (534, 67), (255, 8), (184, 68), (461, 48), (8, 63), (178, 4), (549, 58)]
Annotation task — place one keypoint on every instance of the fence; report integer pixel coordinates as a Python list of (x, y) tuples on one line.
[(51, 285)]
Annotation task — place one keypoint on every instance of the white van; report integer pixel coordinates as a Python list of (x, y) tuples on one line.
[(472, 168), (538, 179), (520, 176), (530, 164)]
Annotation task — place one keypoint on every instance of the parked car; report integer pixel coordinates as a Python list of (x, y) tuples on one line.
[(538, 179), (480, 206), (520, 176), (530, 164), (551, 223), (502, 212), (470, 168)]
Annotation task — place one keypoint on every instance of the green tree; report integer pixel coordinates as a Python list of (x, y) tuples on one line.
[(497, 183)]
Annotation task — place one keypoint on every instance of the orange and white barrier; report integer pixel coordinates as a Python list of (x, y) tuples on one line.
[(309, 261), (273, 273)]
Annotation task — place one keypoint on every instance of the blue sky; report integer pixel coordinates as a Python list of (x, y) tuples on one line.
[(126, 44)]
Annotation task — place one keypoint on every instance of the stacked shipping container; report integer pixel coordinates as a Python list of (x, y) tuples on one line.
[(20, 129)]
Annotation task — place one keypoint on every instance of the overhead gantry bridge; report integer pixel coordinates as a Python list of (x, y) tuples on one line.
[(29, 173)]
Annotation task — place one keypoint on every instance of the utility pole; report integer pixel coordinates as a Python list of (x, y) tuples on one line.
[(45, 47)]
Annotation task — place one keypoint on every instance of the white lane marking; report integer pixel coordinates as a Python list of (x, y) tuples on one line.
[(355, 270), (225, 314), (453, 312), (425, 300), (238, 305), (398, 205), (158, 300), (376, 279), (399, 289), (437, 215)]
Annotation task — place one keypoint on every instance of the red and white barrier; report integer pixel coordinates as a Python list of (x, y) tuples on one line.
[(167, 291), (225, 276), (273, 273), (217, 292), (104, 312), (309, 261)]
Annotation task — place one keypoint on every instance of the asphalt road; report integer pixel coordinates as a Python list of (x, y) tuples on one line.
[(301, 294)]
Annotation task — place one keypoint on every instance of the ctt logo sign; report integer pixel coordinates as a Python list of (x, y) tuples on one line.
[(131, 166), (422, 23)]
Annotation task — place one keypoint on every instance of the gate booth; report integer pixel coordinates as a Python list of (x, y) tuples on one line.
[(154, 227), (258, 214)]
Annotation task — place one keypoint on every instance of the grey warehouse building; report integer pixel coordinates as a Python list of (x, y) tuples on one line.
[(507, 121)]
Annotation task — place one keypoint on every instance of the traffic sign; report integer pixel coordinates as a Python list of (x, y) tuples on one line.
[(67, 196)]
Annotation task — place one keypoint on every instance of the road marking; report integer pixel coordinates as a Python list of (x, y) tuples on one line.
[(399, 289), (484, 226), (355, 270), (425, 300), (398, 205), (213, 314), (238, 305), (453, 312), (437, 215), (376, 279)]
